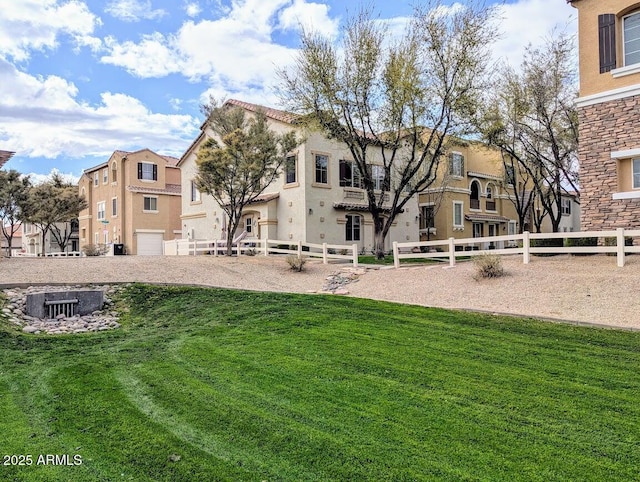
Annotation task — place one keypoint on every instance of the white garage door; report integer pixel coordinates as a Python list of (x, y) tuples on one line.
[(149, 244)]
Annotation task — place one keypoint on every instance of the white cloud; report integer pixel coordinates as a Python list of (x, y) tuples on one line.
[(42, 117), (133, 10), (235, 52), (311, 16), (40, 178), (37, 25), (192, 9), (530, 22)]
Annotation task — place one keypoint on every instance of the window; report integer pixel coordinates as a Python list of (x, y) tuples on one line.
[(101, 210), (512, 228), (566, 207), (84, 234), (105, 176), (631, 36), (353, 227), (349, 174), (457, 214), (290, 170), (377, 176), (96, 178), (456, 164), (114, 172), (106, 236), (150, 203), (477, 230), (195, 193), (510, 175), (114, 207), (427, 214), (475, 195), (147, 171), (249, 225), (636, 173), (322, 169)]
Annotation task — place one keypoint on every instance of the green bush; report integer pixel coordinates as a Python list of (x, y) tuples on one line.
[(547, 243), (580, 242), (488, 266)]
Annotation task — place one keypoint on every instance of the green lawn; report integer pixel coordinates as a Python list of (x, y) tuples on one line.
[(215, 384)]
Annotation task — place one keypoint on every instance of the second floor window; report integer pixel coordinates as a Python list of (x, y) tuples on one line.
[(195, 193), (96, 178), (290, 170), (349, 174), (456, 164), (377, 176), (114, 207), (566, 207), (101, 210), (322, 169), (105, 176), (147, 171), (150, 203), (631, 33)]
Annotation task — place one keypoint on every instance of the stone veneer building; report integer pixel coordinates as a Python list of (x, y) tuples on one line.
[(609, 110)]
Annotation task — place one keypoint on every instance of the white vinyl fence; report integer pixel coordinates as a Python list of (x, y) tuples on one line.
[(265, 247), (612, 242)]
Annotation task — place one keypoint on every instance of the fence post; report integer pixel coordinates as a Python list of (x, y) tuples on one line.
[(620, 247), (355, 255), (266, 247), (396, 259), (215, 247), (525, 247), (324, 254), (452, 252), (195, 247)]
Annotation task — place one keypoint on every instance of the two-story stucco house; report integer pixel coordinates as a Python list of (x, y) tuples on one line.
[(316, 199), (133, 199), (471, 197), (32, 239), (609, 110)]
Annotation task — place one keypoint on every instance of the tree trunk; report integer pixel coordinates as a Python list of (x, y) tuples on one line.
[(378, 237)]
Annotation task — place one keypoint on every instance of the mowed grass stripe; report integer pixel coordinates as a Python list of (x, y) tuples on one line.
[(263, 386)]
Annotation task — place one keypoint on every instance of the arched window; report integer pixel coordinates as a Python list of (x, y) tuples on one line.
[(114, 171), (475, 195)]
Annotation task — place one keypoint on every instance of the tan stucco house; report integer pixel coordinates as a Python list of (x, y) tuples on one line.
[(609, 110), (316, 199), (133, 199), (471, 197)]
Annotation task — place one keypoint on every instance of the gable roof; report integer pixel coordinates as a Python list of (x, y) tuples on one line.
[(170, 160), (275, 114), (5, 156)]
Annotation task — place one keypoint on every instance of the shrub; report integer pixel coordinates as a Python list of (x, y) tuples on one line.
[(628, 241), (94, 249), (488, 266), (577, 242), (296, 263), (547, 243), (250, 252)]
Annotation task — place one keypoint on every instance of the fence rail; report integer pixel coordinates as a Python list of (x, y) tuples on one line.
[(266, 247), (610, 242)]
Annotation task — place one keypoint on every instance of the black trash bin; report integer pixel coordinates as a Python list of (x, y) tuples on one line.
[(118, 249)]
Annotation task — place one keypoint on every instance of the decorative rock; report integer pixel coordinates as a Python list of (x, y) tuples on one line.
[(341, 291), (29, 329)]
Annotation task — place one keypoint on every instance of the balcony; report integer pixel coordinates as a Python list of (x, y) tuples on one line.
[(474, 203), (490, 205)]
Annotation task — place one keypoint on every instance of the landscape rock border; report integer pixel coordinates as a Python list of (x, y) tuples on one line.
[(105, 319)]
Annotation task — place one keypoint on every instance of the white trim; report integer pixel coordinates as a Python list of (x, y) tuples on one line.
[(626, 195), (624, 71), (148, 231), (625, 154), (608, 95), (461, 225)]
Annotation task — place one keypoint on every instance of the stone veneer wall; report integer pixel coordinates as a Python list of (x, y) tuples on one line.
[(606, 127)]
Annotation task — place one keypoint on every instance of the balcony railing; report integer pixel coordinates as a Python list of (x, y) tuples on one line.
[(474, 203), (491, 205)]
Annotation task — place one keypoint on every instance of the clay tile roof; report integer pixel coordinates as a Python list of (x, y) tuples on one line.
[(279, 115), (486, 217), (171, 161), (263, 198), (170, 189)]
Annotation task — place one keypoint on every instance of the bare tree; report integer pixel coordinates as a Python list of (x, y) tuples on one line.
[(241, 162), (532, 119), (14, 189), (401, 98)]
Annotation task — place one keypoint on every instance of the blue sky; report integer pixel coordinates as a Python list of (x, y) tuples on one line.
[(82, 78)]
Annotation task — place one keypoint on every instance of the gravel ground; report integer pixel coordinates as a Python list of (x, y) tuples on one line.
[(590, 289)]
